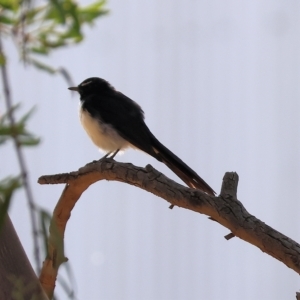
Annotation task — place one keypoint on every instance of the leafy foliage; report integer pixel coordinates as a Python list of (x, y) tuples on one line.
[(7, 131), (37, 28), (7, 188), (52, 24)]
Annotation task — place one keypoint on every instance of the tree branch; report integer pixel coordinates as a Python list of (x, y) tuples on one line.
[(224, 209), (18, 280), (21, 159)]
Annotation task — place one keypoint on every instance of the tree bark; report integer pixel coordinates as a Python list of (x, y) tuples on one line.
[(224, 209), (17, 278)]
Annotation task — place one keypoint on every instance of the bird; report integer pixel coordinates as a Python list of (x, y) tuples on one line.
[(114, 123)]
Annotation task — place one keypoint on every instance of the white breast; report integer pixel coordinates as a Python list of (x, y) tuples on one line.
[(103, 136)]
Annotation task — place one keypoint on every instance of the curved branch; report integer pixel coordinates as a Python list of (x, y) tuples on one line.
[(225, 209)]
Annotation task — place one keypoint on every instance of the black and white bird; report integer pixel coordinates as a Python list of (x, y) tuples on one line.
[(114, 122)]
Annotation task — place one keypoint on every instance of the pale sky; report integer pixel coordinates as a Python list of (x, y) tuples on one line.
[(219, 84)]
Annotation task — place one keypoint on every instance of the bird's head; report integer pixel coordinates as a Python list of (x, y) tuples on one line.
[(91, 86)]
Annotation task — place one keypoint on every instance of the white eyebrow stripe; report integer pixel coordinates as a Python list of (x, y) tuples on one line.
[(85, 83)]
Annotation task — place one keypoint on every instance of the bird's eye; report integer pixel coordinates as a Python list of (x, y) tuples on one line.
[(86, 83)]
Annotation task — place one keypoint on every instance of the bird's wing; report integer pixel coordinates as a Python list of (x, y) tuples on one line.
[(125, 116)]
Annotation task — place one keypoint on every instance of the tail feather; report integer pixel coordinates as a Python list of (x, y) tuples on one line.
[(182, 170)]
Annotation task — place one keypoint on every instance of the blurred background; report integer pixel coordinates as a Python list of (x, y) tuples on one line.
[(219, 84)]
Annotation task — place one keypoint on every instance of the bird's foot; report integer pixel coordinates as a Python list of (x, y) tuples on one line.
[(110, 155)]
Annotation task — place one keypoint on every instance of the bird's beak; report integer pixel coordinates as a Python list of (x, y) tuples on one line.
[(75, 88)]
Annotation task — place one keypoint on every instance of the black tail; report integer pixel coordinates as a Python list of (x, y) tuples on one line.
[(182, 170)]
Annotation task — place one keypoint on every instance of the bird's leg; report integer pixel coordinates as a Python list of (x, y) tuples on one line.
[(115, 153), (105, 156)]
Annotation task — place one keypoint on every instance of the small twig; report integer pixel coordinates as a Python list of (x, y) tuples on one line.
[(229, 236), (21, 160), (229, 191)]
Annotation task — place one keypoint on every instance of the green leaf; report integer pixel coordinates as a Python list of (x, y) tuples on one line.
[(59, 11), (42, 66), (32, 13), (29, 141), (89, 13), (19, 131), (2, 59), (24, 119), (73, 34), (54, 15), (8, 130), (13, 5), (7, 188), (6, 20), (39, 50), (56, 24), (5, 116), (45, 219)]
